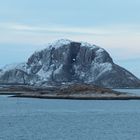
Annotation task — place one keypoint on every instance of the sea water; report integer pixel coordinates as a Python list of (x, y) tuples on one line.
[(132, 91), (43, 119)]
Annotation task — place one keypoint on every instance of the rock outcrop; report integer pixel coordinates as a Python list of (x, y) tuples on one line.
[(66, 61)]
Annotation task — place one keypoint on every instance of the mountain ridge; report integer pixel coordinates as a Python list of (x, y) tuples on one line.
[(66, 61)]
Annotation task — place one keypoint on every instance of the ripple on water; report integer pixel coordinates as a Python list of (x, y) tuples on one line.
[(35, 119)]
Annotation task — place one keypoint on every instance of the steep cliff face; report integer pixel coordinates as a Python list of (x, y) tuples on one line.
[(67, 61), (16, 74)]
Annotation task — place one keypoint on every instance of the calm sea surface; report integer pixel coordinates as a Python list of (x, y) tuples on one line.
[(133, 91), (36, 119)]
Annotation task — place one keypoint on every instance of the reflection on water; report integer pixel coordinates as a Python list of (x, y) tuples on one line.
[(36, 119)]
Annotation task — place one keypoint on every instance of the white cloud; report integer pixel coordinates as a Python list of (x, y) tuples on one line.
[(53, 29), (101, 31), (121, 41)]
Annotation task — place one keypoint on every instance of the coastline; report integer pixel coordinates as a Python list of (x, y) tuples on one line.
[(127, 97), (91, 96), (70, 92)]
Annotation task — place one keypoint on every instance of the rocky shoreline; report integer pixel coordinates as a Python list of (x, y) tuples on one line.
[(73, 91)]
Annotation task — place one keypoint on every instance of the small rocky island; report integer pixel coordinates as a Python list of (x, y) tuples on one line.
[(68, 70), (72, 91)]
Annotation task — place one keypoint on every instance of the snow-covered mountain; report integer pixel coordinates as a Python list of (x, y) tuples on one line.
[(66, 61)]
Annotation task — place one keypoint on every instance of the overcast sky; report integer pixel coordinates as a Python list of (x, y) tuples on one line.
[(27, 25)]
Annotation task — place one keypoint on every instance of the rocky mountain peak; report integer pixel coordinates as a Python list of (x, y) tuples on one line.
[(65, 61)]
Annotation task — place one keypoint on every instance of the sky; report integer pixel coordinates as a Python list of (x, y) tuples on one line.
[(28, 25)]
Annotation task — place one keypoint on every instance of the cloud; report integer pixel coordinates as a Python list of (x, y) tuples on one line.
[(122, 41), (101, 31), (53, 29)]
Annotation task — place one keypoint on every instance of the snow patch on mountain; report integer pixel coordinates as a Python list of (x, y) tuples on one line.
[(66, 61), (85, 44), (21, 66), (58, 43)]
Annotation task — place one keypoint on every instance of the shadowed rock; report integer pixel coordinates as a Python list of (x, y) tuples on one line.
[(65, 61)]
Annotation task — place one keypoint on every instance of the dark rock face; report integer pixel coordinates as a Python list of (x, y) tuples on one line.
[(118, 77), (68, 61)]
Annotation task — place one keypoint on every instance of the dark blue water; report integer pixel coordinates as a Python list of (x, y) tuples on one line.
[(36, 119)]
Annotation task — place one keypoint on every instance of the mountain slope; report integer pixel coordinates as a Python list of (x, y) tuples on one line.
[(66, 61)]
